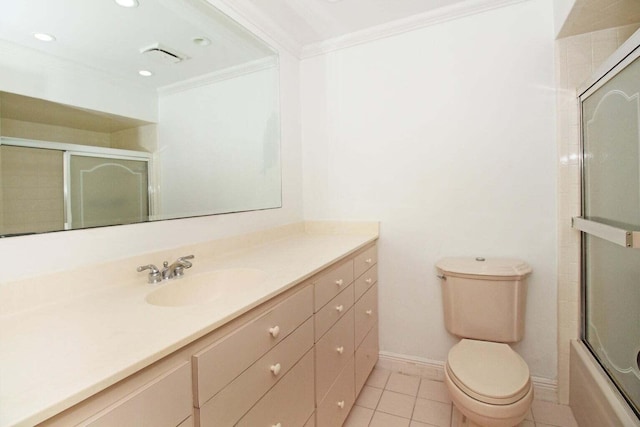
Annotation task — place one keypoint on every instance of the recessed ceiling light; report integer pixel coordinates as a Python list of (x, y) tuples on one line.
[(127, 3), (145, 73), (43, 37), (202, 41)]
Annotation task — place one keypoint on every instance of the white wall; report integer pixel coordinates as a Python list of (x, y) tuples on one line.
[(29, 256), (224, 136), (446, 135)]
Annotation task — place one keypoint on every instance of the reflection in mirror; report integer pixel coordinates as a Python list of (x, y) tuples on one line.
[(85, 140)]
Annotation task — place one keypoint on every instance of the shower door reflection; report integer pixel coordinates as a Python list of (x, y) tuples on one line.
[(611, 192), (106, 191)]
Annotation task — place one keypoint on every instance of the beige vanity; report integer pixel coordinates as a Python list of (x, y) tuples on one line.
[(297, 353)]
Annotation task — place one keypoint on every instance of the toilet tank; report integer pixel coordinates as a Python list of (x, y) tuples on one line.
[(484, 299)]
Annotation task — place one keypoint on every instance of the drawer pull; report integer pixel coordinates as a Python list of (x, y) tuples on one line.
[(339, 308), (339, 282), (340, 350), (275, 331), (341, 404), (277, 425), (369, 312), (368, 260), (369, 281), (275, 369)]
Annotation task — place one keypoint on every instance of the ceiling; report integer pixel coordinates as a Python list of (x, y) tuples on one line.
[(314, 21), (106, 37), (299, 25)]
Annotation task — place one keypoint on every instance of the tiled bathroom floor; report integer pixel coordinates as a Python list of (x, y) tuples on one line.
[(399, 400)]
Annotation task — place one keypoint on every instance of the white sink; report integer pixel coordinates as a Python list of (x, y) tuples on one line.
[(205, 287)]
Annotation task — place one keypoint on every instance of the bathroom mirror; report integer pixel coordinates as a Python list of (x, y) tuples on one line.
[(113, 115)]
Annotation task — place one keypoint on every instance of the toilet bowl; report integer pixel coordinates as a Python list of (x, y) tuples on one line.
[(484, 304), (489, 383)]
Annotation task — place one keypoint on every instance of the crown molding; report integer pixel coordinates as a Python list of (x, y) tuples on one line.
[(434, 17), (260, 24), (217, 76)]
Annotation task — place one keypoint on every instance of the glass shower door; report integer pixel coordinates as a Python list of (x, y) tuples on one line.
[(105, 190), (611, 201)]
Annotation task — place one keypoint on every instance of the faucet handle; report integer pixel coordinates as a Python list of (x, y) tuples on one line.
[(183, 261), (154, 274)]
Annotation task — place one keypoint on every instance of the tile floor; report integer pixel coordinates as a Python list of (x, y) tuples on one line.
[(398, 400)]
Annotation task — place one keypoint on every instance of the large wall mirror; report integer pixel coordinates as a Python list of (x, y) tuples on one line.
[(124, 111)]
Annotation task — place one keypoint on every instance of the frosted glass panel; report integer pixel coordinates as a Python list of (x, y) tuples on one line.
[(107, 191), (611, 136)]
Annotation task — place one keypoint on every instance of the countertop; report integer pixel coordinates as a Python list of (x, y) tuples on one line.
[(56, 355)]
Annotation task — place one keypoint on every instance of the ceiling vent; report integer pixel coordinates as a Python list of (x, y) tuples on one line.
[(163, 55)]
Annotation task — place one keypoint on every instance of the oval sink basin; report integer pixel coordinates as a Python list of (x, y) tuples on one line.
[(202, 288)]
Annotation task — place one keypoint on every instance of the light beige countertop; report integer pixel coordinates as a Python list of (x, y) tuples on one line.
[(59, 353)]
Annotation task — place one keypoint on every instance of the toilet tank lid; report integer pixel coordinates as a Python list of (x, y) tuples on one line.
[(479, 266)]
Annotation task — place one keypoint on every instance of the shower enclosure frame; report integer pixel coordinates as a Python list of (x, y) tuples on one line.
[(629, 238)]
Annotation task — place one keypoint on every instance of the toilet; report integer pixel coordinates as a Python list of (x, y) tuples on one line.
[(484, 304)]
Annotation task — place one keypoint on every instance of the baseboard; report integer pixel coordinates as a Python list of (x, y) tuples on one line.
[(543, 388)]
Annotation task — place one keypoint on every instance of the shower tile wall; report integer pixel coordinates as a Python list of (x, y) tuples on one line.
[(577, 58), (32, 188)]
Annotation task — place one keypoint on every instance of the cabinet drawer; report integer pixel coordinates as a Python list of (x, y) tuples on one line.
[(366, 358), (218, 364), (289, 403), (336, 405), (333, 311), (366, 259), (332, 283), (364, 282), (166, 401), (333, 352), (365, 314), (234, 400)]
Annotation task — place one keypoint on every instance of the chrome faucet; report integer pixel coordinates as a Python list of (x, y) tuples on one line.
[(176, 269), (154, 274), (168, 272)]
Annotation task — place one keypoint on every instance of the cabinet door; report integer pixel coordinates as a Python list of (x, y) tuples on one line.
[(333, 352), (332, 282), (217, 365), (335, 407), (233, 401), (289, 403), (166, 401), (333, 311), (366, 314), (364, 282), (366, 358), (362, 262)]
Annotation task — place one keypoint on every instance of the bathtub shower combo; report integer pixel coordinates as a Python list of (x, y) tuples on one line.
[(610, 107)]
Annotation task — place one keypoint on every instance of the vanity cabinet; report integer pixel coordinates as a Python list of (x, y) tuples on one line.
[(234, 373), (366, 316), (299, 359), (165, 401)]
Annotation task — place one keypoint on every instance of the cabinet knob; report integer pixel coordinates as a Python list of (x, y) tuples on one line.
[(368, 260), (339, 282), (341, 404), (275, 369), (275, 331), (339, 308), (369, 281), (369, 312), (340, 350)]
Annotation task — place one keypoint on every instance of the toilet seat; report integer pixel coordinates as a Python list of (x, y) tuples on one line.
[(489, 372)]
